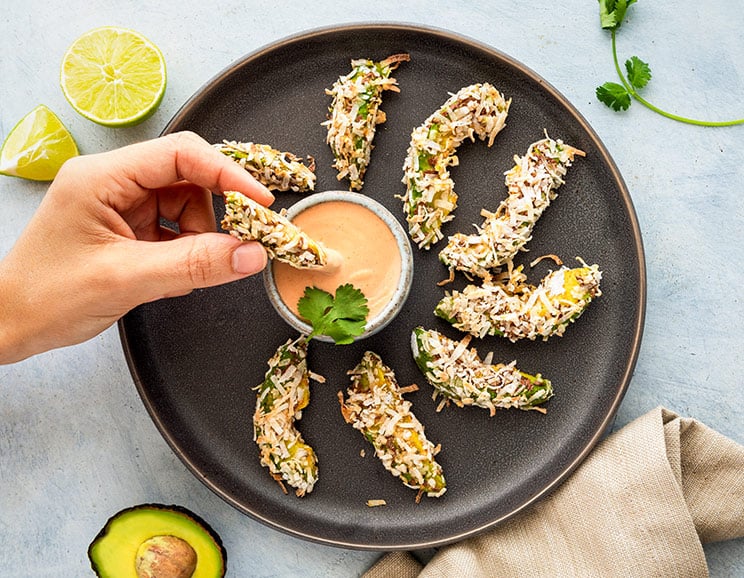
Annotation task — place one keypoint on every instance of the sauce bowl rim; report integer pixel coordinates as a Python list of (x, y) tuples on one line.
[(405, 280)]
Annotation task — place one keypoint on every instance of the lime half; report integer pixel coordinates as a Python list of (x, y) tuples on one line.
[(37, 146), (113, 76)]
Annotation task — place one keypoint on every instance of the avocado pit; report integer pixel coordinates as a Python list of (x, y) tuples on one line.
[(165, 557)]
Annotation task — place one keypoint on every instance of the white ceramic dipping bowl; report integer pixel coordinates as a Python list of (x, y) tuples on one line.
[(402, 289)]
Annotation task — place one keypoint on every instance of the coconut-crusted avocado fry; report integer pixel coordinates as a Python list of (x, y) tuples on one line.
[(532, 184), (250, 221), (277, 170), (458, 375), (282, 396), (476, 110), (375, 406), (355, 113), (512, 308)]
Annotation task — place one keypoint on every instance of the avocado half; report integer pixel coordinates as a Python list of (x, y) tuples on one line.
[(137, 541)]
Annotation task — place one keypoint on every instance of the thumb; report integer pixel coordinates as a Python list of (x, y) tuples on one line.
[(177, 266)]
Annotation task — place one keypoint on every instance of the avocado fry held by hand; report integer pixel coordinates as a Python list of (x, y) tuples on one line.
[(157, 541)]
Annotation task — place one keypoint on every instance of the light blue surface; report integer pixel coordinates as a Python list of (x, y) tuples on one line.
[(76, 444)]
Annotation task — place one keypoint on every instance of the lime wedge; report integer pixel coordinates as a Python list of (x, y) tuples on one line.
[(37, 146), (113, 76)]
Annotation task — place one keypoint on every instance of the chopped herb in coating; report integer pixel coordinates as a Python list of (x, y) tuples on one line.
[(476, 110), (355, 113), (532, 184), (248, 220), (510, 307), (277, 170), (282, 396), (458, 375), (375, 406)]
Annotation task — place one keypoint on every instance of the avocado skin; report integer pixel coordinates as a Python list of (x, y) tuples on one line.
[(181, 511)]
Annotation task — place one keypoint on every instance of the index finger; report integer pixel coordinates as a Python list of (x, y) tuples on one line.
[(187, 156)]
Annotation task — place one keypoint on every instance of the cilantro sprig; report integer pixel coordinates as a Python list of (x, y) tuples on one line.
[(618, 96), (341, 317)]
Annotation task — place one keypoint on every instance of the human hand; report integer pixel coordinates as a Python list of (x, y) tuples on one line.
[(95, 247)]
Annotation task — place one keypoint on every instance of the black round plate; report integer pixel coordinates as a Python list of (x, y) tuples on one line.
[(195, 359)]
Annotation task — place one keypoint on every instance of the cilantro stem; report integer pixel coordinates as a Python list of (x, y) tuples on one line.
[(656, 109)]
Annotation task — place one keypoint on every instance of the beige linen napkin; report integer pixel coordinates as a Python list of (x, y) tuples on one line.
[(642, 504)]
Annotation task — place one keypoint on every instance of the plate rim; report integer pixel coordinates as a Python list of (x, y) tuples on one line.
[(638, 251)]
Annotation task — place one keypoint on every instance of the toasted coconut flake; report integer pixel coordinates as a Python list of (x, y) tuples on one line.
[(277, 170), (375, 406), (459, 375), (555, 258), (510, 307), (355, 113), (282, 396), (532, 185), (476, 110), (248, 220)]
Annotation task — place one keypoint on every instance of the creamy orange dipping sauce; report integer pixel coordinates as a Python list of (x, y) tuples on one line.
[(371, 260)]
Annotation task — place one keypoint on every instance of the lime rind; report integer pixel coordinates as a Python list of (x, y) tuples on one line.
[(114, 76), (37, 146)]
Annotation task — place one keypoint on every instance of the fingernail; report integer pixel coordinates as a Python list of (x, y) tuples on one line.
[(248, 258), (269, 194)]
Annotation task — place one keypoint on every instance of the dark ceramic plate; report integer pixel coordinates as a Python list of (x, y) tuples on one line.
[(195, 359)]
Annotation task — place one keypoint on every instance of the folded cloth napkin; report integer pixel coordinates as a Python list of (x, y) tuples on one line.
[(642, 504)]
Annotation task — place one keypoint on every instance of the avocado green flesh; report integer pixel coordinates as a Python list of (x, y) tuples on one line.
[(112, 554)]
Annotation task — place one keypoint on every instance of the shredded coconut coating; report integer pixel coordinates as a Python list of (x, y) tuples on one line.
[(355, 113), (532, 185), (277, 170), (458, 375), (476, 110), (250, 221), (375, 406), (512, 308), (282, 396)]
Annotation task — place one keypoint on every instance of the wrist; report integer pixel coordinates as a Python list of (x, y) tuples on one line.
[(13, 343)]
